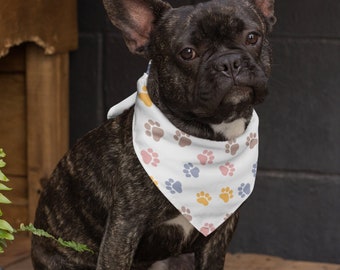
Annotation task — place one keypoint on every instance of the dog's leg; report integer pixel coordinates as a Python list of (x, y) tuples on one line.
[(182, 262), (211, 253), (119, 242)]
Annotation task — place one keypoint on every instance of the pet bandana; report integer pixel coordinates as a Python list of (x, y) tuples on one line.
[(207, 181)]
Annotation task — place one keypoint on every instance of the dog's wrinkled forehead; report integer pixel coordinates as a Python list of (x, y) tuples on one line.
[(213, 21)]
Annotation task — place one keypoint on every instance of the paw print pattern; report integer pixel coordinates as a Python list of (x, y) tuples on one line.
[(227, 169), (254, 169), (227, 216), (206, 157), (153, 130), (232, 147), (252, 140), (207, 228), (189, 170), (173, 186), (144, 96), (154, 180), (244, 190), (150, 157), (226, 194), (182, 138), (203, 198), (186, 213)]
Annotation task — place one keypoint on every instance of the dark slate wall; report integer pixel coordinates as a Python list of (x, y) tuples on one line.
[(294, 211)]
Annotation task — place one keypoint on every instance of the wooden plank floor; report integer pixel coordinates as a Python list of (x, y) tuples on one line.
[(236, 262), (17, 258), (263, 262)]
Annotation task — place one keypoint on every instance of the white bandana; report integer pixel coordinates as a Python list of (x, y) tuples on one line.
[(207, 181)]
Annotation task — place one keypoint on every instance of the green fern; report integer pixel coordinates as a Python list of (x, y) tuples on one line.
[(70, 244), (6, 230)]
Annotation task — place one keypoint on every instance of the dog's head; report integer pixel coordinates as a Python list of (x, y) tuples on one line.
[(210, 62)]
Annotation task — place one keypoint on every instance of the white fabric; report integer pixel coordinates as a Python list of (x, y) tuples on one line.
[(205, 180)]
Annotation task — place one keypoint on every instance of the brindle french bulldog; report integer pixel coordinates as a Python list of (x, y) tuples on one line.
[(210, 66)]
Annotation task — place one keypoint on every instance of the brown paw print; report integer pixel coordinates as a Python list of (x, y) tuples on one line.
[(232, 147), (153, 129), (252, 140), (182, 138)]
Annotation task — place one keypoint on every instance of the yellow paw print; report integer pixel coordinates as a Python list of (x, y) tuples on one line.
[(203, 198), (154, 181), (144, 96), (226, 194)]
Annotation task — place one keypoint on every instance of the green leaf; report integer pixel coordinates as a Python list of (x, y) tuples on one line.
[(3, 199), (6, 235), (4, 225), (3, 177), (2, 153), (2, 163), (3, 243), (76, 246), (35, 231), (3, 187)]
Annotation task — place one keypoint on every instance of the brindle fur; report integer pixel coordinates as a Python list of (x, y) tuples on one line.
[(100, 195)]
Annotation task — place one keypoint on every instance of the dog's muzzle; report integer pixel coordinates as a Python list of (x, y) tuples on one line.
[(231, 65)]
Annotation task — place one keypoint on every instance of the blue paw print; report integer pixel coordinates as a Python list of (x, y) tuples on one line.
[(173, 186), (254, 169), (244, 190), (189, 170)]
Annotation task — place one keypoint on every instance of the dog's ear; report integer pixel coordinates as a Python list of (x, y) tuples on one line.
[(266, 7), (135, 18)]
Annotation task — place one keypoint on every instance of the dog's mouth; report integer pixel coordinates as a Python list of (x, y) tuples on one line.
[(234, 103), (239, 94)]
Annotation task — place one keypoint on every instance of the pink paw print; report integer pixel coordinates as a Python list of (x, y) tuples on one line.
[(206, 157), (227, 169), (227, 216), (150, 157), (186, 213), (207, 229)]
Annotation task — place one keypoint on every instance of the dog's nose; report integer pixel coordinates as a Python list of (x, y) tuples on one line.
[(229, 65)]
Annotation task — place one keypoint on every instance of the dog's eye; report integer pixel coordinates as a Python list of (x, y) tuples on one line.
[(252, 38), (188, 54)]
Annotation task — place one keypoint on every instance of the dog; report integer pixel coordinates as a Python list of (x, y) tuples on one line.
[(210, 65)]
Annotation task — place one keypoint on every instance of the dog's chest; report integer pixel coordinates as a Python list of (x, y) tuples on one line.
[(183, 223), (231, 130)]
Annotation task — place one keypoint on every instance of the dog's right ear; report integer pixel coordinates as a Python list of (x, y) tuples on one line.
[(135, 18)]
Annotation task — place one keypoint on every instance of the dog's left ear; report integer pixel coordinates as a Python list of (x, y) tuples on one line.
[(135, 18), (266, 7)]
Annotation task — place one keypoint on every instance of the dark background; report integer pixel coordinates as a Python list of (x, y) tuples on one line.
[(294, 211)]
